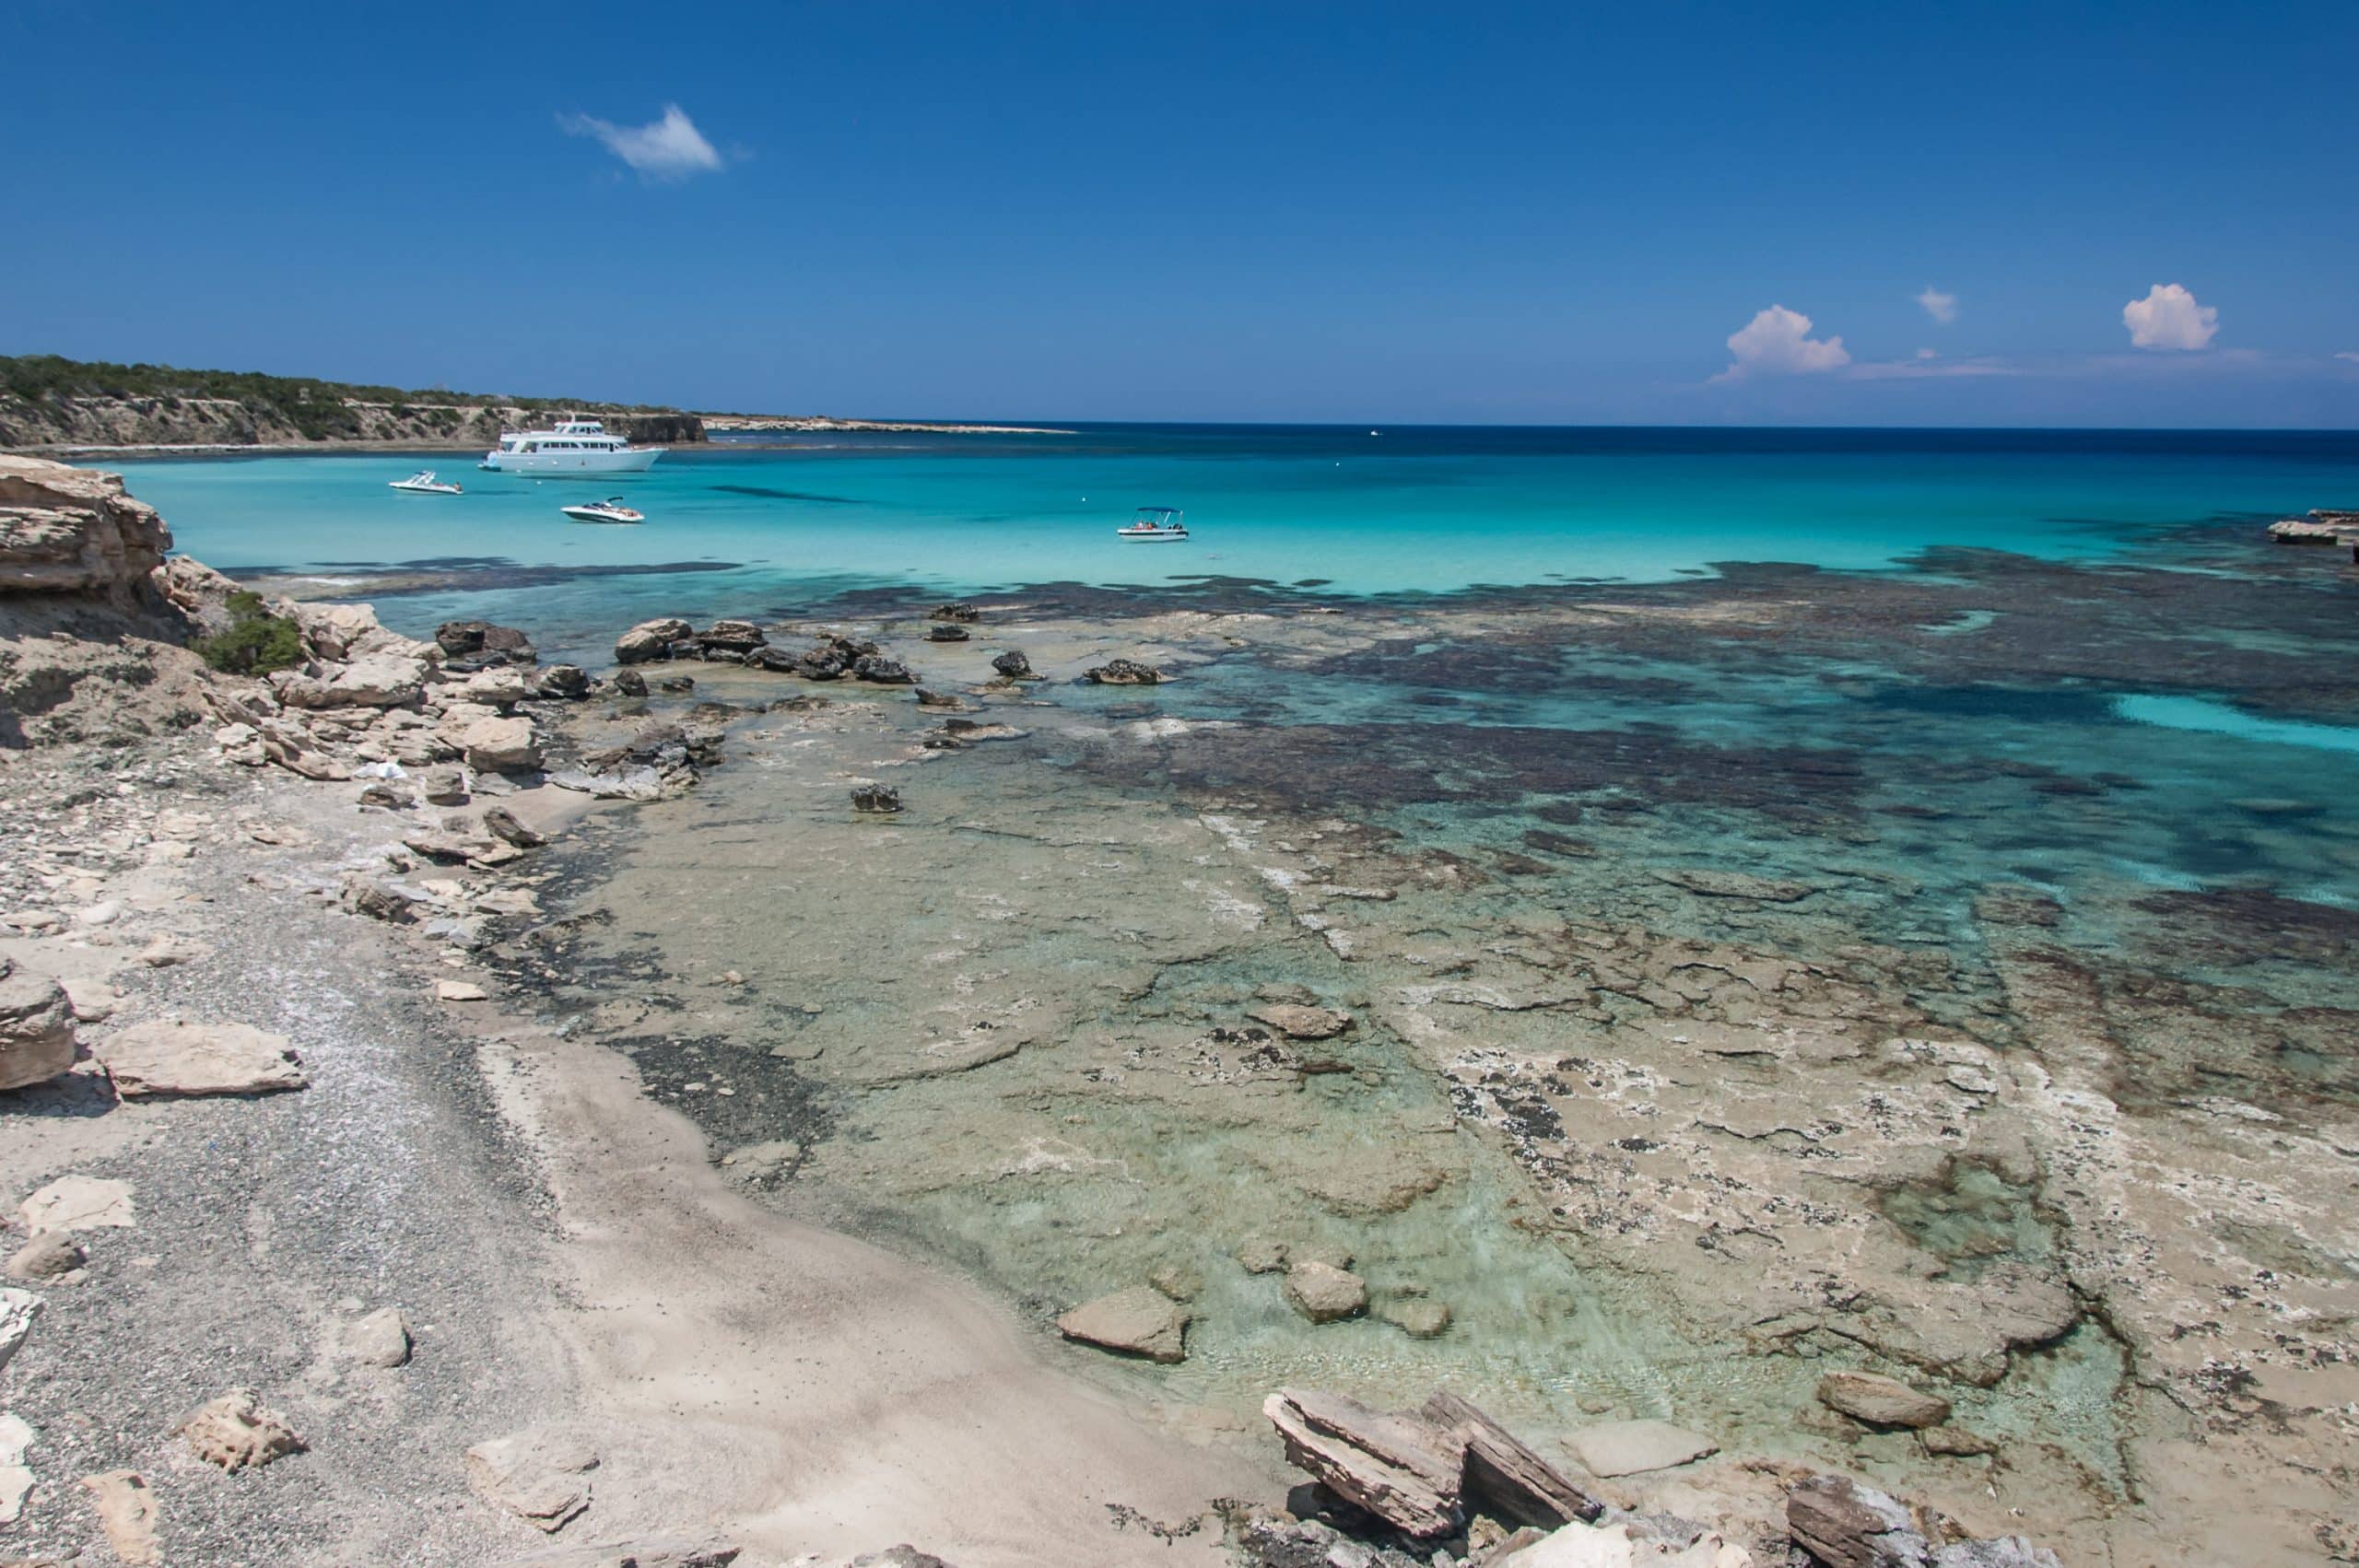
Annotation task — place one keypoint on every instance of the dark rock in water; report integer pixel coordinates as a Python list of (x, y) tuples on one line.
[(1124, 672), (462, 640), (883, 672), (879, 800), (1014, 665), (649, 640), (723, 655), (687, 648), (1401, 1469), (739, 634), (946, 634), (768, 657), (630, 683), (927, 698), (567, 682), (676, 683), (957, 609), (820, 665), (503, 824), (1504, 1478)]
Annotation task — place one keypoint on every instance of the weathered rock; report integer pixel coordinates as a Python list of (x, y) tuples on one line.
[(443, 787), (1503, 1477), (77, 1203), (945, 633), (631, 784), (876, 799), (1732, 884), (466, 641), (1401, 1469), (1262, 1255), (1632, 1447), (1299, 1023), (540, 1476), (37, 1038), (378, 1339), (1843, 1524), (676, 683), (15, 1479), (235, 1432), (1418, 1317), (18, 1311), (738, 634), (390, 794), (877, 670), (2001, 1552), (1014, 665), (379, 900), (567, 682), (663, 1552), (649, 641), (1181, 1282), (927, 698), (50, 1256), (902, 1556), (1325, 1293), (1124, 672), (460, 990), (630, 683), (375, 680), (1956, 1443), (1881, 1402), (957, 609), (501, 745), (127, 1510), (504, 824), (1139, 1321), (73, 531), (2309, 529), (170, 1056)]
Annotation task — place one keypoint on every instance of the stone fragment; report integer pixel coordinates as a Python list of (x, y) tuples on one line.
[(1124, 672), (1299, 1023), (955, 610), (1734, 885), (1418, 1317), (379, 900), (1014, 665), (901, 1556), (946, 634), (1881, 1402), (876, 799), (1500, 1475), (52, 1255), (77, 1203), (501, 746), (126, 1509), (460, 990), (1262, 1255), (443, 787), (1181, 1282), (501, 823), (663, 1551), (378, 1339), (18, 1311), (569, 682), (1843, 1524), (1139, 1321), (649, 641), (538, 1475), (169, 1057), (1325, 1293), (1956, 1442), (1632, 1447), (36, 1039), (1401, 1469), (16, 1480), (235, 1432)]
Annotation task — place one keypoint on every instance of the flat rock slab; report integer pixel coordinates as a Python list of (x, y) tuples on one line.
[(1881, 1402), (540, 1476), (127, 1508), (661, 1552), (1323, 1292), (1138, 1321), (170, 1056), (1299, 1023), (1734, 885), (1402, 1468), (77, 1203), (18, 1310), (1631, 1448)]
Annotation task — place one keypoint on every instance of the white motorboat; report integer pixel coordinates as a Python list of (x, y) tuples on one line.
[(611, 509), (1154, 526), (574, 446), (423, 483)]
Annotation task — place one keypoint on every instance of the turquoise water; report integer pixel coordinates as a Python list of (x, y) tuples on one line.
[(1348, 512)]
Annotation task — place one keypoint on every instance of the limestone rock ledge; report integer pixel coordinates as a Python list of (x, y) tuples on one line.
[(74, 530)]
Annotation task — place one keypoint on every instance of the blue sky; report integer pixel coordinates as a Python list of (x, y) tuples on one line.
[(1195, 211)]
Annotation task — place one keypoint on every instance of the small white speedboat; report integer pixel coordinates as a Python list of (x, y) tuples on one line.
[(423, 483), (1153, 524), (611, 509)]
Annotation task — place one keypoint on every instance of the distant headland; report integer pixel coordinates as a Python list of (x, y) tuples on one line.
[(48, 403)]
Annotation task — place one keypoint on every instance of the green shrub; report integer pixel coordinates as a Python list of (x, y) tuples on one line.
[(256, 643)]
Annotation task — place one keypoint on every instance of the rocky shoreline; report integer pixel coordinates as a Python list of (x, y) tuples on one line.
[(297, 1124)]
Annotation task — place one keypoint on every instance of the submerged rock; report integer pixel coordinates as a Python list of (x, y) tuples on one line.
[(1122, 673), (946, 634), (876, 799), (1139, 1321), (1325, 1293), (1014, 665), (1732, 884), (1633, 1447), (1881, 1402), (1299, 1023), (1417, 1318), (957, 609)]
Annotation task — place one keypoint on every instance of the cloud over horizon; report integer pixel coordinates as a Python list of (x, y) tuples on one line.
[(2169, 317), (1777, 342), (1939, 304), (668, 148)]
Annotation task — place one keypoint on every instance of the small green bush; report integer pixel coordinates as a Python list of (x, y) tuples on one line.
[(256, 643)]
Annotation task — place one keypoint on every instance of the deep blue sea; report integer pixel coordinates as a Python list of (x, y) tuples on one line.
[(1345, 512)]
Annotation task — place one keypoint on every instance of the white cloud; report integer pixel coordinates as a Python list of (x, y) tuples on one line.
[(1941, 307), (1929, 353), (2169, 317), (2346, 354), (669, 148), (1777, 342)]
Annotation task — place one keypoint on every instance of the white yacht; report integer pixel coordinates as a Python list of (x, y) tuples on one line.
[(575, 446)]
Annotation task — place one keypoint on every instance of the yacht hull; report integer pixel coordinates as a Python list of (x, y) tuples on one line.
[(636, 460)]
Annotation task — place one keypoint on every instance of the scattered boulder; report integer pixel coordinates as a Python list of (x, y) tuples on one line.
[(16, 1480), (1262, 1255), (52, 1256), (503, 824), (379, 900), (538, 1475), (171, 1057), (1325, 1293), (501, 745), (1633, 1447), (676, 683), (77, 1203), (390, 794), (877, 670), (18, 1310), (461, 641), (945, 633), (378, 1339), (443, 787), (1299, 1023), (37, 1038), (460, 990), (126, 1509), (567, 682), (1401, 1469), (1503, 1477), (876, 799), (1014, 665), (738, 635), (1418, 1317), (1124, 672), (630, 683), (928, 698), (1881, 1402), (649, 641), (957, 609), (1139, 1321), (235, 1432)]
